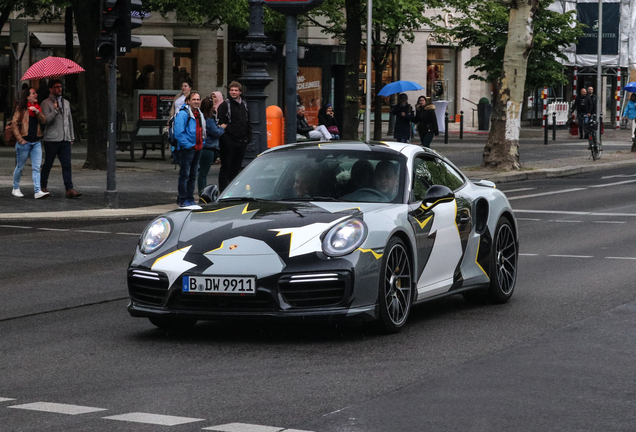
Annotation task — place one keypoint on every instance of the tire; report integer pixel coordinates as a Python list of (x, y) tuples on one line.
[(173, 323), (504, 261), (395, 291), (594, 148)]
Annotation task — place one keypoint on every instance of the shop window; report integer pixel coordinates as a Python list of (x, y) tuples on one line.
[(182, 62), (388, 76)]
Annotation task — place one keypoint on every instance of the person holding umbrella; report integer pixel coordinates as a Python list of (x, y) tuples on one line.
[(630, 112), (27, 131), (403, 113)]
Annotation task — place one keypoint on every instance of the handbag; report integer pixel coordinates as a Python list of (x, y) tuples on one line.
[(9, 138), (574, 129), (333, 130)]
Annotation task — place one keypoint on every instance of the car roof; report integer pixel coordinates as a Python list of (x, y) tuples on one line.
[(380, 146)]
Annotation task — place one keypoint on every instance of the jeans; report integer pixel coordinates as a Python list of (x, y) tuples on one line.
[(207, 159), (427, 138), (189, 166), (61, 149), (232, 154), (22, 153)]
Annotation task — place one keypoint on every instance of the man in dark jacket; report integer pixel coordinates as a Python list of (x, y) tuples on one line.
[(581, 110), (238, 134)]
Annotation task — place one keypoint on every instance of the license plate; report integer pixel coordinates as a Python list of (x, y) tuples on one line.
[(219, 285)]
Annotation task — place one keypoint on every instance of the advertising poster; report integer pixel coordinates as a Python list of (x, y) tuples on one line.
[(148, 107), (588, 14), (165, 103), (309, 88)]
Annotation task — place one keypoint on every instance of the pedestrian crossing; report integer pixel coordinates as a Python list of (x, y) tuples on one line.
[(141, 417)]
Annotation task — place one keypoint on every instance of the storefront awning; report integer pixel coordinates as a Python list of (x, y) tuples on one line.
[(49, 40)]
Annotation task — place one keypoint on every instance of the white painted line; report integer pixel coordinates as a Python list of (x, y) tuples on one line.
[(621, 258), (572, 256), (546, 193), (15, 226), (528, 254), (131, 234), (5, 399), (93, 232), (618, 175), (576, 213), (517, 190), (243, 427), (527, 219), (611, 222), (57, 408), (156, 419), (295, 430), (53, 229), (613, 184), (566, 221)]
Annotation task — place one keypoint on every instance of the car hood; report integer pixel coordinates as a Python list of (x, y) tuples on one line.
[(260, 227)]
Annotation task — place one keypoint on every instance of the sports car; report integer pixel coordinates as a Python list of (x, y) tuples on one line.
[(336, 230)]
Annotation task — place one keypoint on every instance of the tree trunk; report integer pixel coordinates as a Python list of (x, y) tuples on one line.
[(87, 19), (502, 147), (353, 36)]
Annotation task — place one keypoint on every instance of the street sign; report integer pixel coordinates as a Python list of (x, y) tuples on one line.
[(18, 31), (293, 7)]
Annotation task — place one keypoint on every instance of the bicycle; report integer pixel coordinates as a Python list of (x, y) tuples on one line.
[(595, 146)]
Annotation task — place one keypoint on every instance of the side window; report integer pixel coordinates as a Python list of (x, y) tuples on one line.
[(443, 174), (422, 179)]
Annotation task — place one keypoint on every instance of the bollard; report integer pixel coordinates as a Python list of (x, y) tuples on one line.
[(554, 126), (545, 129), (461, 125), (391, 121), (446, 128)]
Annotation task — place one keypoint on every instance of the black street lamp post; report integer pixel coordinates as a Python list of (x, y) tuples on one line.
[(255, 52)]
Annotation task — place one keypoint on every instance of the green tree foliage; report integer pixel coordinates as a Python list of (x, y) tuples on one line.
[(484, 25)]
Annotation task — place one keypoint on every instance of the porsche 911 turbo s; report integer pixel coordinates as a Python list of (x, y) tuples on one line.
[(342, 230)]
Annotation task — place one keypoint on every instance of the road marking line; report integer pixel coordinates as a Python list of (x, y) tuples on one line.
[(572, 256), (610, 222), (53, 229), (57, 408), (243, 427), (621, 258), (157, 419), (131, 234), (5, 399), (613, 184), (517, 190), (527, 219), (93, 232), (522, 254), (566, 221), (15, 226), (546, 193), (618, 175), (576, 213)]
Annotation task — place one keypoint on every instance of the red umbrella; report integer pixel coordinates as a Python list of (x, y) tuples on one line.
[(52, 67)]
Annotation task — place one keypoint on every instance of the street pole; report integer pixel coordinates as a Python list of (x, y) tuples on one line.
[(291, 77), (599, 70), (111, 188), (367, 112)]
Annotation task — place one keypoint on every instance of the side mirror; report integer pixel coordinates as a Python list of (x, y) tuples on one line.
[(436, 194), (209, 194)]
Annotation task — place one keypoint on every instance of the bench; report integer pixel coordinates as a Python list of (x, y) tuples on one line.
[(149, 133)]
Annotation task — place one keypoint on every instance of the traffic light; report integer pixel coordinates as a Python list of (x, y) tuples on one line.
[(118, 18)]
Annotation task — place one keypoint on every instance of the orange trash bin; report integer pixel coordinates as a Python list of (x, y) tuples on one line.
[(275, 126)]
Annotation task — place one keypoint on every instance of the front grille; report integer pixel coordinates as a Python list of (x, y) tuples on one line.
[(147, 286), (315, 289), (262, 301)]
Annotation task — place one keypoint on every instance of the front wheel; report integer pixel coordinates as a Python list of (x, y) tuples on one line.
[(395, 293), (504, 261)]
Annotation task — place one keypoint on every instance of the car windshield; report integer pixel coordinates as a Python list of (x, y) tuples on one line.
[(315, 174)]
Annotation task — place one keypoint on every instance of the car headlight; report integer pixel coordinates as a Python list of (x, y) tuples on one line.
[(155, 235), (344, 238)]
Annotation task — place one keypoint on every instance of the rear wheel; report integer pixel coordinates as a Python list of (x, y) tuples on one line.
[(395, 294), (173, 323)]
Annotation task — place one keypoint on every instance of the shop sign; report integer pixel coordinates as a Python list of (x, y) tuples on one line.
[(309, 89), (588, 15)]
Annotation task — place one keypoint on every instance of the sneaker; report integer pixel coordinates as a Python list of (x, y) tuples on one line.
[(16, 193), (41, 194), (189, 203)]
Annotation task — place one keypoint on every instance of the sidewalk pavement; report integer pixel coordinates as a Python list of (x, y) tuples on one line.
[(148, 187)]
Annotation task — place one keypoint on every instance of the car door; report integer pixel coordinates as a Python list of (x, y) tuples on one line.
[(441, 229)]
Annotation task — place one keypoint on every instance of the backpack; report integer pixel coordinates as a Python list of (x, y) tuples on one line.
[(229, 109)]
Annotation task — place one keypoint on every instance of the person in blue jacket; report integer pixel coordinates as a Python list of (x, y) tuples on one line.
[(189, 131), (630, 112), (210, 151)]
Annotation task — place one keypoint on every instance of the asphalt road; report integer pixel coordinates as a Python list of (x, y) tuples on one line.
[(558, 356)]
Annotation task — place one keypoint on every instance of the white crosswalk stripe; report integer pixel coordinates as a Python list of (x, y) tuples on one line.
[(2, 399), (243, 427), (156, 419), (57, 408)]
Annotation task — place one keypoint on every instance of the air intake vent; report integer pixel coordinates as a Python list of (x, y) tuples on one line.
[(315, 289), (147, 286)]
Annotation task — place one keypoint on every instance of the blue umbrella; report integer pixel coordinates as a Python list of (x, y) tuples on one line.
[(399, 87), (631, 87)]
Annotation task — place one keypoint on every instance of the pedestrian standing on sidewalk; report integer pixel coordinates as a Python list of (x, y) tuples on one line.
[(403, 113), (58, 137), (238, 134), (426, 120), (581, 110), (189, 131), (27, 131), (630, 112), (179, 99), (210, 151)]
